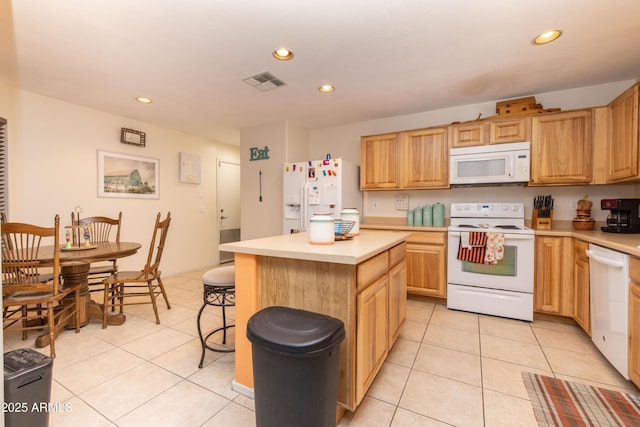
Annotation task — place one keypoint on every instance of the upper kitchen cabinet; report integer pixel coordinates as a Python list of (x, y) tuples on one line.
[(561, 148), (379, 162), (622, 144), (509, 130), (425, 161), (467, 134)]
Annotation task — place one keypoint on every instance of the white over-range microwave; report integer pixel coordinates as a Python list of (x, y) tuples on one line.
[(490, 164)]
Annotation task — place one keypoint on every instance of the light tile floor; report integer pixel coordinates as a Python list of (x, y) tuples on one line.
[(447, 368)]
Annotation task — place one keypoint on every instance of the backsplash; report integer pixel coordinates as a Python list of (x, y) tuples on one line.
[(382, 203)]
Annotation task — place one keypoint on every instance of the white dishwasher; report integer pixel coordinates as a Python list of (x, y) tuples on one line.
[(609, 286)]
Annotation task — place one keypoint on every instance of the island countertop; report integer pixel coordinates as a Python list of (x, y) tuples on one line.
[(296, 246)]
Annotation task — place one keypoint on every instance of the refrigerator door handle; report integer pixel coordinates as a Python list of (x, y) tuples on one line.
[(303, 206)]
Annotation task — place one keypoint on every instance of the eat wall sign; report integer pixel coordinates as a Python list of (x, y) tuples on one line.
[(256, 153)]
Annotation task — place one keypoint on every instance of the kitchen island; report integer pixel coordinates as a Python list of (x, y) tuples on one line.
[(361, 281)]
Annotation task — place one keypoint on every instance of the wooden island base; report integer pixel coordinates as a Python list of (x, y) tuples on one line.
[(363, 284)]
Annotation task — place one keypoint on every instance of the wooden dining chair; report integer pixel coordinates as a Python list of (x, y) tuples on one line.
[(101, 229), (27, 303), (138, 287)]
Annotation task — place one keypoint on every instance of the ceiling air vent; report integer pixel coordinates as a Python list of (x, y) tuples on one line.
[(264, 81)]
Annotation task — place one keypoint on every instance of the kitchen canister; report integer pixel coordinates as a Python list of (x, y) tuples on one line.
[(417, 216), (438, 215), (410, 217), (352, 214), (321, 230), (427, 216)]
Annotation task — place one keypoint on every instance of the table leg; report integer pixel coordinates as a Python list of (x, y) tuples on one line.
[(72, 274)]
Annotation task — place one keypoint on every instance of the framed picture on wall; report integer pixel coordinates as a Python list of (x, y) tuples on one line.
[(123, 175)]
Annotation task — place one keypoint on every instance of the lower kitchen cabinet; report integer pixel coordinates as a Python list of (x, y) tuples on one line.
[(553, 282), (634, 321), (427, 264), (371, 335), (397, 291), (582, 307)]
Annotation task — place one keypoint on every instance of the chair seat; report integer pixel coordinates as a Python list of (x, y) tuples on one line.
[(220, 276), (129, 276)]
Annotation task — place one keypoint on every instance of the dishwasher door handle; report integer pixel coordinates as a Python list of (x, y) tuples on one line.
[(607, 261)]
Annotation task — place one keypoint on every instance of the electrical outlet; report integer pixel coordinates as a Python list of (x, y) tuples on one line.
[(402, 202), (132, 260)]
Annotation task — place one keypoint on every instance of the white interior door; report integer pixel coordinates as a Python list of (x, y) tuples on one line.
[(228, 179)]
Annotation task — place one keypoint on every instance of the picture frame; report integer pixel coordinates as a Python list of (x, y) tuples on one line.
[(190, 168), (127, 176), (133, 137)]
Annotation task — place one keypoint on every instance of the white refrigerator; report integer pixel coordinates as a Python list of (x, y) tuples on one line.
[(318, 186)]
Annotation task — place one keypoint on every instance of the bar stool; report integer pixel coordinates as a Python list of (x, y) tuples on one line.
[(219, 291)]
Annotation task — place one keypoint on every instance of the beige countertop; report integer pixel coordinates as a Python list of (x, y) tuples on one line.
[(628, 243), (296, 246)]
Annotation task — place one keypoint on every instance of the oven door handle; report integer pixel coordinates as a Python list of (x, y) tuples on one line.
[(506, 236)]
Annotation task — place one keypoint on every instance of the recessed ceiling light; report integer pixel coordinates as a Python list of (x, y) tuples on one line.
[(326, 88), (144, 100), (283, 54), (547, 37)]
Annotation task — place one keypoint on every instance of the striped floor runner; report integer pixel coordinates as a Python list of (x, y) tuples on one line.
[(562, 403)]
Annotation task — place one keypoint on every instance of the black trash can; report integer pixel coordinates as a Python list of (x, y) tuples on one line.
[(27, 388), (295, 367)]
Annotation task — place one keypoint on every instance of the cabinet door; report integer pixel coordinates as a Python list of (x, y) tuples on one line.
[(397, 300), (427, 264), (553, 290), (581, 312), (561, 148), (372, 334), (634, 333), (425, 161), (467, 135), (379, 157), (623, 137), (509, 130)]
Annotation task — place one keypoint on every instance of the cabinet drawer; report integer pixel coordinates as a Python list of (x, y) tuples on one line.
[(370, 270), (634, 269), (397, 254), (433, 238)]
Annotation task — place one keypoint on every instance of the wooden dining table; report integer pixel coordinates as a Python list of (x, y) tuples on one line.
[(75, 263)]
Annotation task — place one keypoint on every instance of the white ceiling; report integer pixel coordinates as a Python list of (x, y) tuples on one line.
[(386, 58)]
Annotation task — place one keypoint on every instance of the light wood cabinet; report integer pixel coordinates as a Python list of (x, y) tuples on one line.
[(582, 306), (634, 321), (623, 141), (407, 160), (425, 159), (561, 148), (468, 134), (553, 282), (427, 264), (372, 336), (397, 300), (381, 307), (379, 162), (515, 129)]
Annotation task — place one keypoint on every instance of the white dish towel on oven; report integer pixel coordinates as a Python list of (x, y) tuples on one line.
[(495, 248)]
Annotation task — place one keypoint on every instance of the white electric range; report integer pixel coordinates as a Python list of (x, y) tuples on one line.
[(504, 288)]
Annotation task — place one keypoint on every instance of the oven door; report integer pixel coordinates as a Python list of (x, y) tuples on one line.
[(514, 272)]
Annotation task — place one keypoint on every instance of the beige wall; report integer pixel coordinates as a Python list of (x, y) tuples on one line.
[(53, 168), (287, 142)]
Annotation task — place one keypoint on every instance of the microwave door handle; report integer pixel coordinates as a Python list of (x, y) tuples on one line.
[(511, 166)]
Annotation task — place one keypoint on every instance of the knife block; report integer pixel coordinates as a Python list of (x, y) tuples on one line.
[(541, 223)]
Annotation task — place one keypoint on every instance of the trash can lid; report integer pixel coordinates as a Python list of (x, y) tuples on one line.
[(294, 331), (24, 360)]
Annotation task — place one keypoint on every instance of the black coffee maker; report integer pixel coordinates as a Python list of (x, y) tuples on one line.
[(624, 216)]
